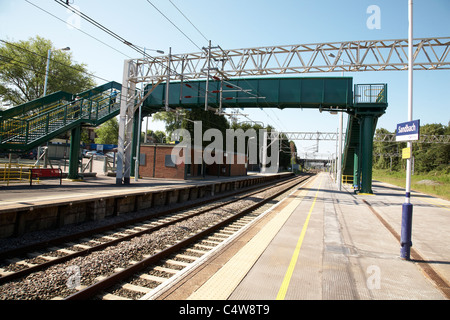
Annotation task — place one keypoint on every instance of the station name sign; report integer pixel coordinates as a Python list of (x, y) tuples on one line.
[(408, 131)]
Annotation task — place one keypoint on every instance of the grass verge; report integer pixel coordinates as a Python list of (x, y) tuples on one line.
[(434, 183)]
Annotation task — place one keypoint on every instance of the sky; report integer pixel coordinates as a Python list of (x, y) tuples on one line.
[(234, 24)]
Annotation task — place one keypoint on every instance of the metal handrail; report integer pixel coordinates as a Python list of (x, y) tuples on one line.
[(15, 173), (347, 179), (13, 129), (377, 93)]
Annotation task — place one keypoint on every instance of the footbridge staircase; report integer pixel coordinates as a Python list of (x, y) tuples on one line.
[(31, 124)]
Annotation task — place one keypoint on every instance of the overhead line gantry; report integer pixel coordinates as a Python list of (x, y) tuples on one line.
[(349, 56), (365, 55)]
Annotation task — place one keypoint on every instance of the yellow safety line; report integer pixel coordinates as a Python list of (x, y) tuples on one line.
[(437, 204), (287, 278), (222, 284)]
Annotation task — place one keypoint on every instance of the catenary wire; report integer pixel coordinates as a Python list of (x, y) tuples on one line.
[(139, 49), (116, 36), (105, 29), (174, 25), (188, 20), (75, 27)]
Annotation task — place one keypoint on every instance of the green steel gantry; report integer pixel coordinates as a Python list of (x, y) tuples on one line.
[(364, 104)]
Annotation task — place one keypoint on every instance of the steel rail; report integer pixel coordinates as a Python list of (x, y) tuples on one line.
[(29, 270), (97, 287), (42, 245)]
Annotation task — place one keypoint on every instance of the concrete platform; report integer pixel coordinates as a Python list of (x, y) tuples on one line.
[(326, 244)]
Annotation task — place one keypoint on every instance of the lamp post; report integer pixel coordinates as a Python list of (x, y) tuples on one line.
[(49, 54)]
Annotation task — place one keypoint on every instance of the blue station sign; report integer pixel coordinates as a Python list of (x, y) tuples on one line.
[(408, 131)]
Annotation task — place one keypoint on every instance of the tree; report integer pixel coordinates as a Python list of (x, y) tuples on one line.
[(108, 132), (23, 67), (209, 120), (285, 152), (427, 156), (431, 156), (245, 127), (386, 154), (293, 148), (155, 136), (85, 135), (171, 120)]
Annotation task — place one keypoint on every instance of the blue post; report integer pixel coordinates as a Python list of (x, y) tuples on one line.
[(407, 208), (406, 232)]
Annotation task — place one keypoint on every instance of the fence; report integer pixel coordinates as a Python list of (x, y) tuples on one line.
[(370, 93), (15, 173), (347, 179)]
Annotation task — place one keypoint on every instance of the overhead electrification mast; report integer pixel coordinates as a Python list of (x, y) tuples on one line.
[(366, 55)]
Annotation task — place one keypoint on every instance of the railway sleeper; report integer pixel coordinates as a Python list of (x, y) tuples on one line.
[(166, 270), (48, 258), (203, 247), (82, 246), (211, 241), (208, 243), (177, 263), (196, 251), (185, 257), (151, 277), (20, 262), (5, 273), (111, 296), (217, 237), (135, 288)]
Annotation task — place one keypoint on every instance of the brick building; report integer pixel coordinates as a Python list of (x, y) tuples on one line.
[(157, 162)]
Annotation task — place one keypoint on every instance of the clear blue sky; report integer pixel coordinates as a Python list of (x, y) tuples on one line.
[(243, 24)]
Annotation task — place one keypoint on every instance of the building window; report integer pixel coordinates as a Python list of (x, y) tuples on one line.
[(170, 161)]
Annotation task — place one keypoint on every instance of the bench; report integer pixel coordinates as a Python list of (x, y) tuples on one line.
[(45, 174)]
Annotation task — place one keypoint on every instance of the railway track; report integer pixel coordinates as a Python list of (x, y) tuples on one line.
[(19, 262), (148, 252)]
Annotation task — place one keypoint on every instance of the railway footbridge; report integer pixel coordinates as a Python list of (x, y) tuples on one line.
[(364, 104)]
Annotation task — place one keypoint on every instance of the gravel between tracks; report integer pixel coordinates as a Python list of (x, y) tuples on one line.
[(56, 280)]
